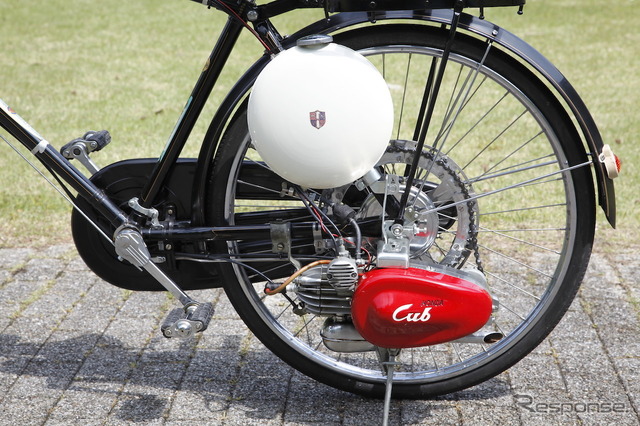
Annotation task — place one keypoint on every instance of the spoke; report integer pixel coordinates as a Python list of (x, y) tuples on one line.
[(480, 120), (460, 100), (267, 271), (451, 106), (499, 329), (519, 240), (435, 361), (283, 311), (535, 180), (513, 122), (510, 172), (455, 349), (514, 260), (264, 188), (547, 206), (425, 97), (514, 286), (404, 93), (521, 147), (513, 312), (498, 231), (305, 327), (257, 163)]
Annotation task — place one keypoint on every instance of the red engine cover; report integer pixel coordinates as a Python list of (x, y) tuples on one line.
[(405, 308)]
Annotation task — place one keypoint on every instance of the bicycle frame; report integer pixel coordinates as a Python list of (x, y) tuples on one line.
[(167, 236), (349, 13)]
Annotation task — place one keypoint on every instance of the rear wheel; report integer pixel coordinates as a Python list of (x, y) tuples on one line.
[(494, 176)]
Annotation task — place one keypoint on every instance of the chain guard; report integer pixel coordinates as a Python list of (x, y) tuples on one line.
[(121, 182)]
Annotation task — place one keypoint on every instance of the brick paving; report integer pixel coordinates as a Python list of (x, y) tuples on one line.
[(75, 350)]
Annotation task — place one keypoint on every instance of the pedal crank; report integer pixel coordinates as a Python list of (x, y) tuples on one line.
[(193, 316), (80, 148)]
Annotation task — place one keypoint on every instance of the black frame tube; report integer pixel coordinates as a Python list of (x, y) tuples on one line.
[(57, 164), (199, 96)]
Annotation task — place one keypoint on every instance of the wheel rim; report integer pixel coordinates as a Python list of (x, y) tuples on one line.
[(525, 247)]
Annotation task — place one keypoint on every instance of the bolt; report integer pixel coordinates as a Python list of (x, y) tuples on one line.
[(252, 15), (396, 230), (168, 247)]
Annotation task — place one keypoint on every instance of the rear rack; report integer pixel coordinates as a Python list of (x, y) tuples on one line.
[(373, 5)]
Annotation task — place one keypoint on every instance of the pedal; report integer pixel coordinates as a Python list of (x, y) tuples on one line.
[(181, 323), (80, 148)]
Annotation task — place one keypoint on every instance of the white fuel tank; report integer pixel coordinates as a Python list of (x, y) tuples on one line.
[(320, 114)]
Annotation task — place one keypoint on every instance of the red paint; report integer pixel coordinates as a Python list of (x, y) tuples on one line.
[(405, 308)]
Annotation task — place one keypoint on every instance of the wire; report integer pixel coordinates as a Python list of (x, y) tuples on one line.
[(209, 258), (64, 192), (318, 214), (270, 292), (244, 23)]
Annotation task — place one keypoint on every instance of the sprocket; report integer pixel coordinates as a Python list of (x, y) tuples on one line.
[(443, 211)]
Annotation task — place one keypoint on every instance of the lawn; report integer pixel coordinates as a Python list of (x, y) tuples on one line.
[(68, 66)]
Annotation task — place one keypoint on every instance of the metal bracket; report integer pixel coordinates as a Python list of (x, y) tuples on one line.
[(281, 239), (79, 151), (149, 212)]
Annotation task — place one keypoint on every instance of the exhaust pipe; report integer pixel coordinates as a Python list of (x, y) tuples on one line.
[(492, 337)]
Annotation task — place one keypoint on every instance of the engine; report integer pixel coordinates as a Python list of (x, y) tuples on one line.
[(321, 139), (403, 308), (393, 307)]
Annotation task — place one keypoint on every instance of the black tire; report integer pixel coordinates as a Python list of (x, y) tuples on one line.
[(533, 241)]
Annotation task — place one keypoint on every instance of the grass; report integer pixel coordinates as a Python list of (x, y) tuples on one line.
[(68, 66)]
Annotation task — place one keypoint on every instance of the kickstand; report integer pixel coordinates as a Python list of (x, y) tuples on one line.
[(389, 367)]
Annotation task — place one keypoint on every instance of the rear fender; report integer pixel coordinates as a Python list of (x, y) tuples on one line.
[(512, 44)]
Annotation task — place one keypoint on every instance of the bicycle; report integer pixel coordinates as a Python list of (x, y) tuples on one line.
[(501, 158)]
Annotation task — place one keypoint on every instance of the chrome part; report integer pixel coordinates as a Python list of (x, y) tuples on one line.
[(252, 15), (151, 213), (342, 274), (130, 246), (368, 179), (389, 368), (185, 322), (433, 208), (342, 336), (79, 150), (318, 295), (394, 253), (181, 328), (480, 337), (315, 40)]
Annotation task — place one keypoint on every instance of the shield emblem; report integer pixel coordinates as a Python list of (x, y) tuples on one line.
[(317, 118)]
